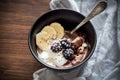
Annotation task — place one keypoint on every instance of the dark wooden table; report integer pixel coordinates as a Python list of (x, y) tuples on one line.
[(16, 19)]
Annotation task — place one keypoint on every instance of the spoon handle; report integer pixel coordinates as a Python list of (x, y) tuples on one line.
[(98, 9)]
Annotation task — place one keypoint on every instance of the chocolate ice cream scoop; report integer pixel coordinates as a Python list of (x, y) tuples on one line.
[(78, 41), (82, 48)]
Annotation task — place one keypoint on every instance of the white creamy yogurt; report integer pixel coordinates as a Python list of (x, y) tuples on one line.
[(59, 60), (51, 58)]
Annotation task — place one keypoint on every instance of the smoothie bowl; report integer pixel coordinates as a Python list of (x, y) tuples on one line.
[(51, 43)]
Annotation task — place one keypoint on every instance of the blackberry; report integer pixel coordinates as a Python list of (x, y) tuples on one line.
[(68, 54), (56, 47), (65, 43)]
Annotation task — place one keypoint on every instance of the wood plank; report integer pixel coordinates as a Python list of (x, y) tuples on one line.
[(16, 19)]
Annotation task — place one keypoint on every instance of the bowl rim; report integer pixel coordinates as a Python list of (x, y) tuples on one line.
[(56, 68)]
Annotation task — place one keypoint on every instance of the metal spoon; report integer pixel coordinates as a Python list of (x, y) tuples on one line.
[(98, 9)]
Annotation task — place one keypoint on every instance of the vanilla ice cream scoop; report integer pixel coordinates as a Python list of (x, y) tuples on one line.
[(59, 60)]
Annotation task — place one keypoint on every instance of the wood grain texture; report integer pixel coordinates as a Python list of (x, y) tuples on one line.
[(16, 18)]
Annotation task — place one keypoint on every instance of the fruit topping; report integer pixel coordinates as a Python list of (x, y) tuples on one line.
[(59, 29), (51, 31), (68, 54), (48, 34), (56, 46), (65, 43), (41, 40)]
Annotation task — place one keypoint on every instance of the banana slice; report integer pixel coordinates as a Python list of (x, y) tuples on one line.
[(59, 29), (48, 34), (40, 41), (51, 31), (43, 35)]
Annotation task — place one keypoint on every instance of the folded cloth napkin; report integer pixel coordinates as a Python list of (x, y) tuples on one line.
[(105, 61)]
